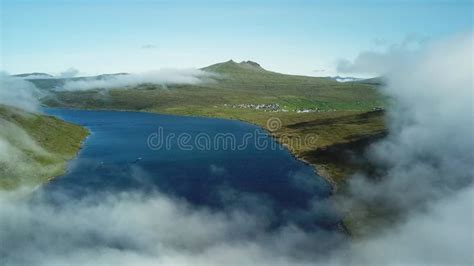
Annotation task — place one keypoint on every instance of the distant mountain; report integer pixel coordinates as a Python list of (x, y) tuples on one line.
[(232, 67), (49, 82), (106, 76), (34, 75)]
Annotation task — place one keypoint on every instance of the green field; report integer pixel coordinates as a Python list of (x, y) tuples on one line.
[(35, 147), (236, 83)]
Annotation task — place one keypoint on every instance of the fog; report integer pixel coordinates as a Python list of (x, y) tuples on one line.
[(139, 229), (20, 155), (427, 159), (429, 151), (161, 77), (18, 92), (441, 234), (16, 160)]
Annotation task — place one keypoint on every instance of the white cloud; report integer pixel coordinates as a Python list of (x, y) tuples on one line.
[(69, 73), (137, 229), (441, 235), (382, 62), (18, 92), (427, 156), (165, 77)]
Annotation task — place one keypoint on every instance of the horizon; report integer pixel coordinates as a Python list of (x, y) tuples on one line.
[(31, 75), (305, 38)]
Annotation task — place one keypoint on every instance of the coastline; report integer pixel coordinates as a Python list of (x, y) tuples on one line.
[(65, 166), (46, 143), (318, 170)]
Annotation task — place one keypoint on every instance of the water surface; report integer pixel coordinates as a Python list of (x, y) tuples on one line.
[(116, 158)]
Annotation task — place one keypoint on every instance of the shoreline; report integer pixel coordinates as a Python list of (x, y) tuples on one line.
[(67, 162), (65, 166), (55, 141), (317, 171)]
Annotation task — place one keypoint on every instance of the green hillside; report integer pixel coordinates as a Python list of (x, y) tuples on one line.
[(33, 147), (236, 83)]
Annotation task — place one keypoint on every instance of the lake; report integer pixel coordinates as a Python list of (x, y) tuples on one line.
[(123, 154)]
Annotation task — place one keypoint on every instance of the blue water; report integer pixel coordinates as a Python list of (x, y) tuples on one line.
[(116, 158)]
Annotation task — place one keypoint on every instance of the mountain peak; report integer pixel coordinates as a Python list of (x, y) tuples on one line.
[(232, 66), (251, 63)]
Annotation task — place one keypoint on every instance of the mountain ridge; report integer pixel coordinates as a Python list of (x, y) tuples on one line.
[(33, 74), (231, 65)]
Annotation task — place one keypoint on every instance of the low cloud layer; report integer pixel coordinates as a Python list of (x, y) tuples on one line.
[(384, 60), (138, 229), (430, 144), (442, 234), (19, 93), (20, 155), (162, 77), (427, 177)]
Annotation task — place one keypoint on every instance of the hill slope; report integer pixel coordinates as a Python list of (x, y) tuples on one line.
[(33, 147), (237, 83)]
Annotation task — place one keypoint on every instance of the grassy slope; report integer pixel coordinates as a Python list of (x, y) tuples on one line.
[(39, 147), (238, 83)]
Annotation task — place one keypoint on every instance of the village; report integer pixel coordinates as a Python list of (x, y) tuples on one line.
[(270, 107)]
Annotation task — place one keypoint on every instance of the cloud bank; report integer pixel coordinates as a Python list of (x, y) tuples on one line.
[(20, 155), (163, 77), (18, 92), (440, 235), (430, 144), (383, 62), (138, 229), (427, 159)]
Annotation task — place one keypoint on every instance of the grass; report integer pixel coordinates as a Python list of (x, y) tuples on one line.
[(237, 83), (37, 147)]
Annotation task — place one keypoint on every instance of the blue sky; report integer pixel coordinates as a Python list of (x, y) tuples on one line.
[(104, 36)]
